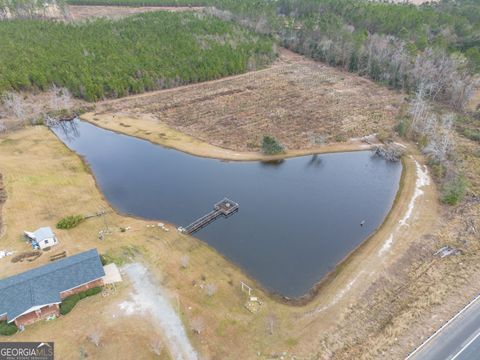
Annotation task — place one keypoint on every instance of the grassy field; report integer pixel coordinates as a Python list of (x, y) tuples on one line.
[(53, 182)]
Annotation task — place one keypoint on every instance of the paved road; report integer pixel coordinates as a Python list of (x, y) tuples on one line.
[(459, 340)]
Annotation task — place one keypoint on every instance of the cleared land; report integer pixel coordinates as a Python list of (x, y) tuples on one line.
[(79, 13), (301, 103)]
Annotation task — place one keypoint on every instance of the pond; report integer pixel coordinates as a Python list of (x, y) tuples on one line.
[(298, 218)]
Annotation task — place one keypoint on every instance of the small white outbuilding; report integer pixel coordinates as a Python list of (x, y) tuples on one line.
[(42, 238)]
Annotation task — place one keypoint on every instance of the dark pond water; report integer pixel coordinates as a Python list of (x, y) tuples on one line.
[(297, 219)]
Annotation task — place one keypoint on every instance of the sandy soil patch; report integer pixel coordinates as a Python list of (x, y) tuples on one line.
[(121, 336), (83, 12), (152, 299), (302, 103)]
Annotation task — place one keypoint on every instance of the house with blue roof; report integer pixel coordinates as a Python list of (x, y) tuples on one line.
[(36, 294)]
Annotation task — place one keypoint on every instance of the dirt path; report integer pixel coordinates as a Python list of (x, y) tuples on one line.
[(151, 298)]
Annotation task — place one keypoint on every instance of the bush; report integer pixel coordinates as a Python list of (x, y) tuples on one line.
[(438, 168), (454, 190), (7, 329), (93, 291), (69, 302), (70, 222), (270, 146), (106, 259), (402, 127), (472, 134)]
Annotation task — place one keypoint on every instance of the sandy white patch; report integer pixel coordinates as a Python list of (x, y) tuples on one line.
[(152, 299), (386, 245), (422, 180), (337, 297), (5, 253)]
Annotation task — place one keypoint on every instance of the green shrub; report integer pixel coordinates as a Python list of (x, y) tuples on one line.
[(402, 127), (438, 168), (70, 222), (69, 302), (106, 259), (7, 329), (454, 190), (472, 134), (270, 146), (93, 291)]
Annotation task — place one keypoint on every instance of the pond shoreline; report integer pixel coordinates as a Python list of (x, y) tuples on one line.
[(327, 279), (173, 139)]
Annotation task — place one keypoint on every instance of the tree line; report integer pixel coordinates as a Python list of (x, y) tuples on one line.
[(107, 58), (398, 44)]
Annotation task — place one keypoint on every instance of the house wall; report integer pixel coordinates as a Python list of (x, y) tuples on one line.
[(92, 284), (53, 309), (3, 317), (39, 314), (44, 244)]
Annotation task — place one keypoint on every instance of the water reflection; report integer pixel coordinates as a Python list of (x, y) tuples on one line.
[(298, 217)]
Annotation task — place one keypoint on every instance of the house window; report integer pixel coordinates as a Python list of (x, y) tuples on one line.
[(46, 241)]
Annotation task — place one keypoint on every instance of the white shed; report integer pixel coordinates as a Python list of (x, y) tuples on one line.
[(42, 238)]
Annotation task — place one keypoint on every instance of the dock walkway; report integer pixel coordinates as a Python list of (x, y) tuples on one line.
[(224, 208)]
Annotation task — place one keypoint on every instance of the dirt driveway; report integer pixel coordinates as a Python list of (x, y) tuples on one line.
[(150, 298)]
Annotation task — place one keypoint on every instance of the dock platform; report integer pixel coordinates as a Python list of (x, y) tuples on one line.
[(224, 208)]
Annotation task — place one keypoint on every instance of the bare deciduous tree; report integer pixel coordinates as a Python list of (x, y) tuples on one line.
[(197, 325), (95, 336), (437, 131), (156, 345), (211, 289), (221, 14), (3, 127), (15, 104), (61, 99)]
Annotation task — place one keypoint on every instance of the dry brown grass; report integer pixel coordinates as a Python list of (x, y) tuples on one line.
[(296, 100), (81, 13), (46, 182), (122, 337)]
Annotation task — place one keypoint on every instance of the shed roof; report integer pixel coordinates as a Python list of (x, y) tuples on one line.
[(44, 284), (43, 233)]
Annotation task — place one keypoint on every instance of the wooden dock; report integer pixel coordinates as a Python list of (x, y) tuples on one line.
[(224, 208)]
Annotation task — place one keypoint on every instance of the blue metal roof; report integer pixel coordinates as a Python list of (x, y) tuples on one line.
[(43, 233), (44, 284)]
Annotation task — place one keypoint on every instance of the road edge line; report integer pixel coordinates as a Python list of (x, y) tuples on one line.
[(438, 331)]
